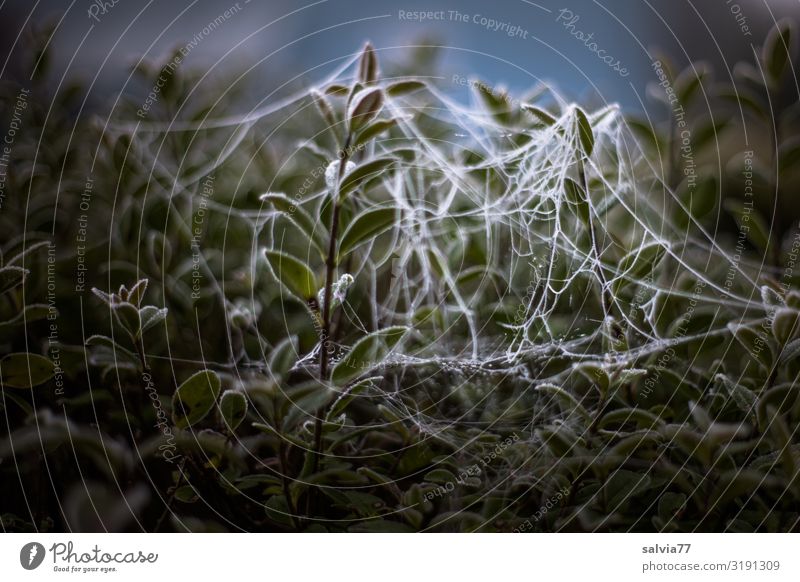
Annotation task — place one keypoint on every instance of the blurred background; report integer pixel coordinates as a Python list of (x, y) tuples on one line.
[(281, 42)]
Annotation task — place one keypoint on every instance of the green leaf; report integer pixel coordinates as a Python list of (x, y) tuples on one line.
[(671, 505), (642, 418), (560, 440), (789, 153), (708, 132), (622, 485), (736, 483), (336, 90), (744, 398), (790, 351), (304, 401), (757, 231), (195, 398), (297, 215), (782, 441), (374, 129), (701, 199), (597, 374), (293, 274), (576, 196), (637, 264), (439, 476), (11, 277), (744, 99), (365, 106), (754, 342), (325, 109), (403, 88), (152, 316), (283, 357), (584, 130), (689, 82), (365, 227), (496, 102), (540, 114), (29, 248), (102, 340), (232, 408), (25, 370), (568, 403), (777, 48), (367, 354), (647, 134), (127, 315), (186, 494), (136, 294), (785, 324), (348, 396), (354, 178), (368, 65), (33, 312)]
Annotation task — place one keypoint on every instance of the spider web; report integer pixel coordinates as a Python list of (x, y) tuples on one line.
[(488, 241)]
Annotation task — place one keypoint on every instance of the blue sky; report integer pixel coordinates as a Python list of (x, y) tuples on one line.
[(284, 39)]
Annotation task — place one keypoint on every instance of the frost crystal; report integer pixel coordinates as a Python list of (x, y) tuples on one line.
[(338, 291), (332, 172)]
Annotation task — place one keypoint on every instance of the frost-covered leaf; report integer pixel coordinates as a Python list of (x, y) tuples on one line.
[(367, 354), (364, 107), (354, 178)]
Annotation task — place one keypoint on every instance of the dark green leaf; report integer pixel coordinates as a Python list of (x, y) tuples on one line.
[(368, 65), (232, 408), (637, 264), (367, 354), (31, 313), (151, 316), (584, 131), (540, 114), (576, 196), (365, 106), (757, 229), (127, 315), (403, 87), (11, 277), (293, 274), (25, 370), (195, 398), (374, 129), (744, 398), (365, 227), (298, 216), (777, 48), (360, 174), (283, 357)]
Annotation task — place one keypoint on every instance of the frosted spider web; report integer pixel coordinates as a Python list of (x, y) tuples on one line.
[(481, 187)]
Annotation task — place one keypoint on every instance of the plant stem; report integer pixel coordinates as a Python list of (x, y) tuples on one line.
[(330, 265), (283, 461), (137, 341), (171, 499)]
